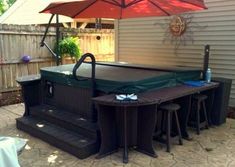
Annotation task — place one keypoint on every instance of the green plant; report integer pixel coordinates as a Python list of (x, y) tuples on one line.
[(69, 46), (4, 5)]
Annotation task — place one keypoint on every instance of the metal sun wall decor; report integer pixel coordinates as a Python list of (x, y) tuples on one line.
[(179, 30), (177, 26)]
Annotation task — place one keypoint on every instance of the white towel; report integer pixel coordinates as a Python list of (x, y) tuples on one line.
[(9, 147), (126, 97)]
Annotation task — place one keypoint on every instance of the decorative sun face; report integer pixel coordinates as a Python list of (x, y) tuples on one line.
[(177, 26), (177, 31)]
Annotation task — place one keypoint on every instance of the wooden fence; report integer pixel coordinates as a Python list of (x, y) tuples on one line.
[(17, 41), (98, 42)]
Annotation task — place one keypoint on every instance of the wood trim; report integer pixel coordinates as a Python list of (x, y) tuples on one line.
[(10, 89), (25, 33), (39, 60)]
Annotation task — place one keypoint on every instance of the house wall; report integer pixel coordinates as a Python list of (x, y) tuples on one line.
[(141, 40)]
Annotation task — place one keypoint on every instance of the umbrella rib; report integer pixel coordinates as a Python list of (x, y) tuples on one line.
[(156, 5), (84, 9), (191, 3), (133, 2), (113, 2)]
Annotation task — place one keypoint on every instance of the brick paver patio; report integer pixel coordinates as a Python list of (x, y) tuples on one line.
[(213, 148)]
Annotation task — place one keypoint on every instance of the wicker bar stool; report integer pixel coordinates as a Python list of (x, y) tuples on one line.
[(169, 109), (200, 99)]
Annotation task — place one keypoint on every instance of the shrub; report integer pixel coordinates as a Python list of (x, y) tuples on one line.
[(70, 46)]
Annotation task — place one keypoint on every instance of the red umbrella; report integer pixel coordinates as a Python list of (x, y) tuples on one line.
[(119, 9)]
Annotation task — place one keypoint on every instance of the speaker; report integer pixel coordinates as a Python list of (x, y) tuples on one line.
[(221, 101)]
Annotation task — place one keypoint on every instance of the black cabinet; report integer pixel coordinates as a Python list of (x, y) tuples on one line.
[(221, 101)]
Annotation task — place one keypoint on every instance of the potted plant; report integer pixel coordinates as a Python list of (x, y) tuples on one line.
[(69, 50)]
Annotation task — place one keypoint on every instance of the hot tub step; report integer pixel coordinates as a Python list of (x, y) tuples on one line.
[(69, 141), (65, 119)]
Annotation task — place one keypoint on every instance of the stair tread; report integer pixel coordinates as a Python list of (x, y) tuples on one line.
[(62, 134), (66, 116)]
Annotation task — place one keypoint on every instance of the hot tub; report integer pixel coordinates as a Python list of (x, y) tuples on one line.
[(61, 89)]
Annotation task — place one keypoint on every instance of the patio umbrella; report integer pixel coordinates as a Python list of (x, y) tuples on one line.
[(119, 9)]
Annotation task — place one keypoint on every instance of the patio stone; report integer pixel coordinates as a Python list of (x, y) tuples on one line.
[(180, 164), (215, 147), (231, 163)]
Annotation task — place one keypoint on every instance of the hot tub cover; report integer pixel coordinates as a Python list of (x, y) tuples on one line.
[(119, 79)]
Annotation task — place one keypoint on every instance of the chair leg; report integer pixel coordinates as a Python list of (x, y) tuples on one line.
[(168, 129), (178, 128), (198, 117), (205, 114)]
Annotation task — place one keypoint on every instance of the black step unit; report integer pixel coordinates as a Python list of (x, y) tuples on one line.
[(65, 119), (71, 142)]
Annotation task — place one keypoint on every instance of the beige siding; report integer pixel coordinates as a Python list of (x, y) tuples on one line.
[(141, 40)]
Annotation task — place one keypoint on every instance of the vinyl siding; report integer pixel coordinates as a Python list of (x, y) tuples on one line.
[(141, 41)]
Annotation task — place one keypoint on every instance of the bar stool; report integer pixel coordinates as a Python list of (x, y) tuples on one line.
[(200, 99), (168, 109)]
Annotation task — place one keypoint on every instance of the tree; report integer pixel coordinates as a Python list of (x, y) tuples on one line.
[(10, 2), (5, 5), (1, 7)]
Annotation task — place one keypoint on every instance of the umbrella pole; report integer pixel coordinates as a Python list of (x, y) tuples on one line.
[(57, 40), (47, 28), (43, 43)]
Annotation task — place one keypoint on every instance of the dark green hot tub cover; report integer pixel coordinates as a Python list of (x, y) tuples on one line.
[(117, 79)]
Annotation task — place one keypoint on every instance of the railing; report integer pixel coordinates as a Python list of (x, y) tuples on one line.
[(75, 68)]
